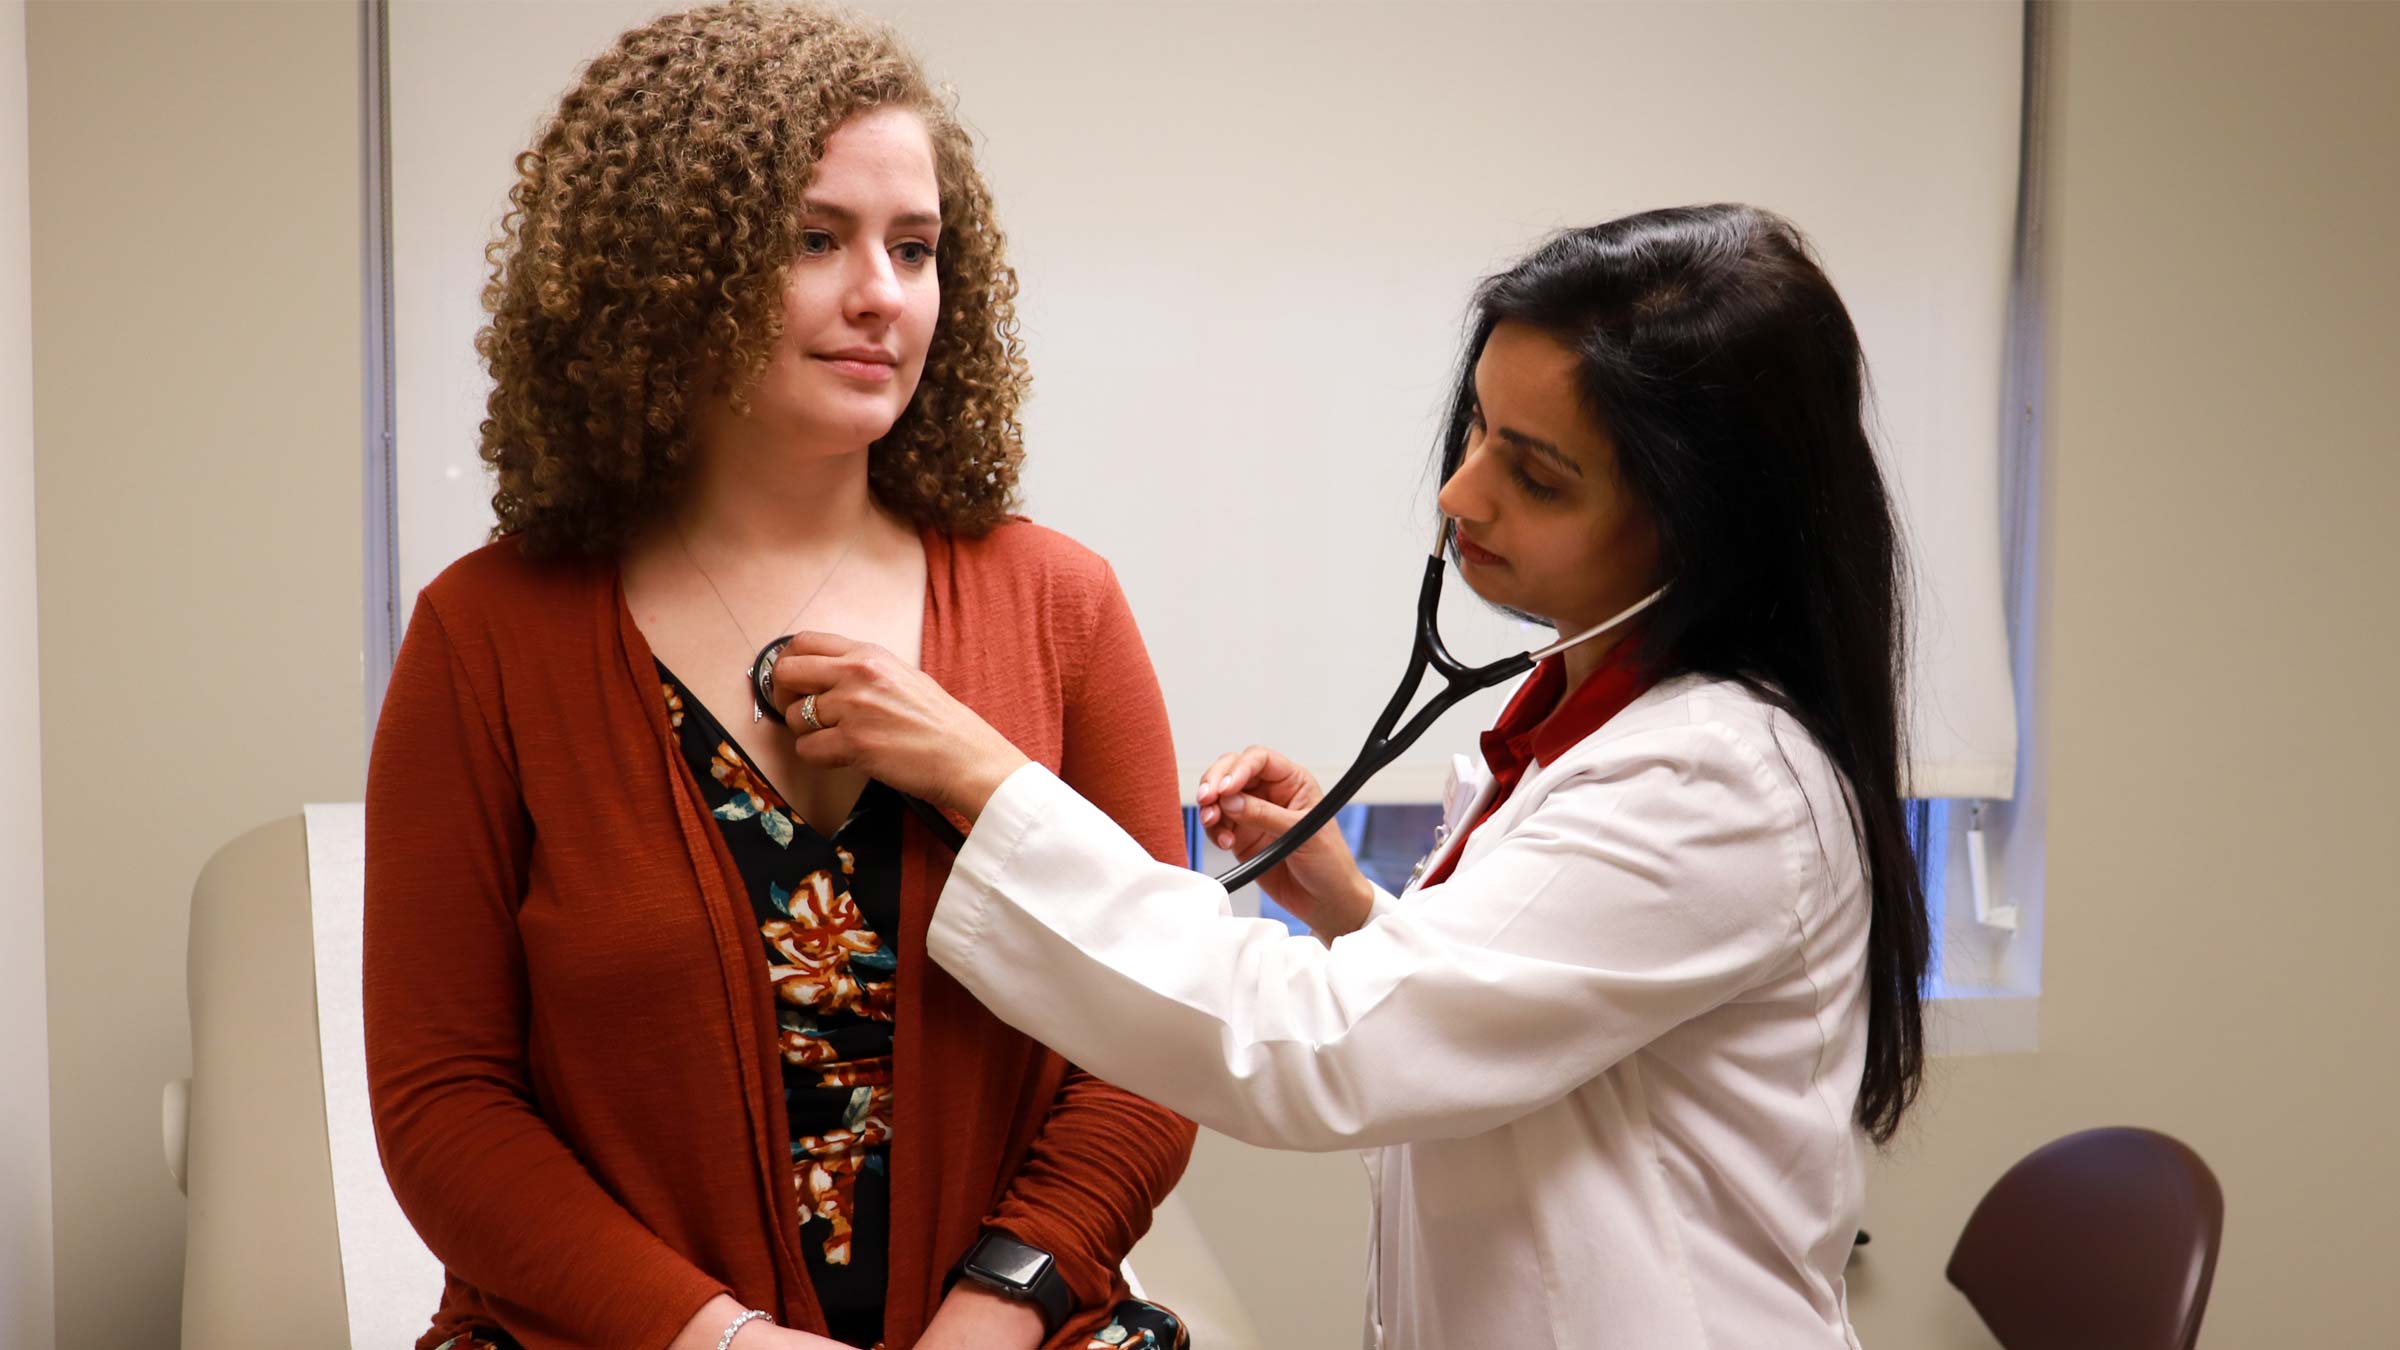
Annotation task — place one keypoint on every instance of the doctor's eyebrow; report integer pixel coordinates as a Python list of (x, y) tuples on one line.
[(1536, 445), (812, 206)]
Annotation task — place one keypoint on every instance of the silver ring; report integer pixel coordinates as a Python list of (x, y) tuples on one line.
[(808, 713)]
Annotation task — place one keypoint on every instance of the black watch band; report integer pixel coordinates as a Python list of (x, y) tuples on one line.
[(1014, 1269)]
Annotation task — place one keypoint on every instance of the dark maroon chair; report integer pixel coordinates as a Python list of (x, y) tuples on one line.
[(2104, 1240)]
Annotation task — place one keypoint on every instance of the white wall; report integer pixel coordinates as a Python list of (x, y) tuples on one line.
[(25, 1259), (1247, 233)]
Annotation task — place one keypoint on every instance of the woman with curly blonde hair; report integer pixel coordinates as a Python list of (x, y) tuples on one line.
[(656, 1054)]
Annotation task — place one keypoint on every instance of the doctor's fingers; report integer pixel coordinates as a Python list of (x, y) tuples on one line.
[(1213, 784), (832, 748), (1251, 822), (1247, 811), (1246, 832), (1259, 770), (802, 673), (1228, 773), (826, 644)]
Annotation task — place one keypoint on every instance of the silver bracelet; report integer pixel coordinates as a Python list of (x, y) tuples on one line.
[(754, 1315)]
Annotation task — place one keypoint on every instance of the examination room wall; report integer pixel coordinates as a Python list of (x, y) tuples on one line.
[(26, 1273), (2218, 718), (196, 181), (2219, 640)]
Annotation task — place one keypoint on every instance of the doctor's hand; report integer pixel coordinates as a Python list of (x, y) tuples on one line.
[(878, 714), (1251, 796)]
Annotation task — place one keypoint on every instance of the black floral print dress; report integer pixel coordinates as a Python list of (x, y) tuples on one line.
[(828, 910)]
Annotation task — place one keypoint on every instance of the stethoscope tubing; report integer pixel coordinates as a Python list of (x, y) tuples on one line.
[(1383, 745)]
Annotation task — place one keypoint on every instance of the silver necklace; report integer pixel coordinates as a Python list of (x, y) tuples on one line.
[(758, 710)]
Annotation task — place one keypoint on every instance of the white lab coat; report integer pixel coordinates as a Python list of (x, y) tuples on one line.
[(1605, 1074)]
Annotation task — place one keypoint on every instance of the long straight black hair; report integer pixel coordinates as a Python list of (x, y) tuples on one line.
[(1716, 355)]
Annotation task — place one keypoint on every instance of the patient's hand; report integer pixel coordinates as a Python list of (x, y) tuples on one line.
[(708, 1325), (971, 1318), (1251, 796)]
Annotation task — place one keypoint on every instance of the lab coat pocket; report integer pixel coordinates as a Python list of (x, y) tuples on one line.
[(1464, 785), (1460, 793)]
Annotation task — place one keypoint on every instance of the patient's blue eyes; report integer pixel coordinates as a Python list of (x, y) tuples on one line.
[(911, 253)]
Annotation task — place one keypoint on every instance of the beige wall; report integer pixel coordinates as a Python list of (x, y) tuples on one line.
[(196, 196), (25, 1266), (2220, 656)]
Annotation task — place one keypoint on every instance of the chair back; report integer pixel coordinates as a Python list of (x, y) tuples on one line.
[(2103, 1240)]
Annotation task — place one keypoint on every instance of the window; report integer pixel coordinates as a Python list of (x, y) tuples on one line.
[(1387, 840)]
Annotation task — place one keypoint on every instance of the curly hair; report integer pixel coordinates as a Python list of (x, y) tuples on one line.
[(645, 250)]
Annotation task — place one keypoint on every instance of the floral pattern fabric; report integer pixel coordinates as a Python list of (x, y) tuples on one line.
[(827, 903), (1137, 1325)]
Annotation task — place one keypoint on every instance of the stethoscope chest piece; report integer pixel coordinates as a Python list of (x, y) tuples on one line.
[(763, 709), (762, 683)]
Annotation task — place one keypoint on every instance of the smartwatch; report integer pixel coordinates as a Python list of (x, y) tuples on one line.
[(1014, 1270)]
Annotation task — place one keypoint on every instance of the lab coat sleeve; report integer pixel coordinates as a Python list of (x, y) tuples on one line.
[(1653, 885)]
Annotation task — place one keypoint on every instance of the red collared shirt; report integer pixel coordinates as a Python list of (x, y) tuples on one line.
[(1538, 725)]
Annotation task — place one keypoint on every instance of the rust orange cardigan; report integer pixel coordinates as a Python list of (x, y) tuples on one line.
[(570, 1030)]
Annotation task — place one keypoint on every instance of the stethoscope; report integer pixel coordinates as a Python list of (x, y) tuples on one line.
[(1384, 743)]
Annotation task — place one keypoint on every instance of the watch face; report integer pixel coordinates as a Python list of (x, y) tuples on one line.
[(1008, 1262)]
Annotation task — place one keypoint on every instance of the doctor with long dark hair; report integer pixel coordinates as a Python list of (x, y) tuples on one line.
[(1618, 1052)]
